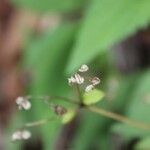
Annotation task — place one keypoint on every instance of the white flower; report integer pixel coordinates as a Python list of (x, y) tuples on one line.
[(26, 134), (78, 78), (23, 103), (71, 80), (89, 88), (84, 68), (21, 135), (95, 81)]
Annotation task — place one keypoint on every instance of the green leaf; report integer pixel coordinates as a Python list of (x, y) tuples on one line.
[(46, 58), (144, 144), (138, 109), (106, 23), (49, 5), (92, 97), (68, 116)]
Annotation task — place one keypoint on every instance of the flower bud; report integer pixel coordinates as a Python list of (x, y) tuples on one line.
[(89, 88), (21, 135), (71, 80), (79, 79), (95, 81), (84, 68), (59, 110), (23, 103)]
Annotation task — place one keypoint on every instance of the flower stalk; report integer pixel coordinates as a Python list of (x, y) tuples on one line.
[(118, 117)]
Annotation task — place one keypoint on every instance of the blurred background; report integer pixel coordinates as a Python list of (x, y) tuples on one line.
[(42, 42)]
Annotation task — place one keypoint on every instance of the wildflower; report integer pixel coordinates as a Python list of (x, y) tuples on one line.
[(95, 81), (71, 80), (23, 103), (79, 79), (89, 88), (21, 135), (76, 79), (84, 68)]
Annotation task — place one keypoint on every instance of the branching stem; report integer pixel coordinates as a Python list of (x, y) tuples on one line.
[(94, 109)]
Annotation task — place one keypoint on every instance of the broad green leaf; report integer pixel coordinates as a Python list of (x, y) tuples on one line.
[(106, 23), (138, 109), (49, 5), (144, 144), (92, 97), (46, 58), (68, 116)]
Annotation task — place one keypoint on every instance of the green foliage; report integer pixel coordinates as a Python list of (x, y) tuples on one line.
[(48, 55), (92, 97), (106, 23), (144, 144), (88, 129), (46, 58), (68, 116), (49, 5), (19, 119), (138, 109)]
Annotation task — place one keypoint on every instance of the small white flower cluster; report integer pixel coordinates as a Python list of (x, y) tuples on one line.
[(21, 135), (78, 79), (23, 103)]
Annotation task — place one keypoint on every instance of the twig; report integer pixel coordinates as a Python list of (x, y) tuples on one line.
[(97, 110), (118, 117), (37, 123)]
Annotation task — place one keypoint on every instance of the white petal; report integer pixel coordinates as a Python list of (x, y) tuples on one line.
[(79, 79), (71, 80), (19, 100), (26, 134), (26, 105), (23, 103), (89, 88), (16, 136), (95, 81), (84, 68)]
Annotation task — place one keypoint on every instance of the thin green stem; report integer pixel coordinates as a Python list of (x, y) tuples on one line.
[(94, 109), (38, 123), (78, 93), (118, 117)]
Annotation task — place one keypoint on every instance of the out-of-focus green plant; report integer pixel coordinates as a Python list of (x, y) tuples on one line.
[(53, 54)]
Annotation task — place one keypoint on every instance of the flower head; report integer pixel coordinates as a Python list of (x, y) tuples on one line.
[(84, 68), (89, 88), (76, 79), (23, 103), (95, 81), (71, 80), (21, 135), (79, 79)]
